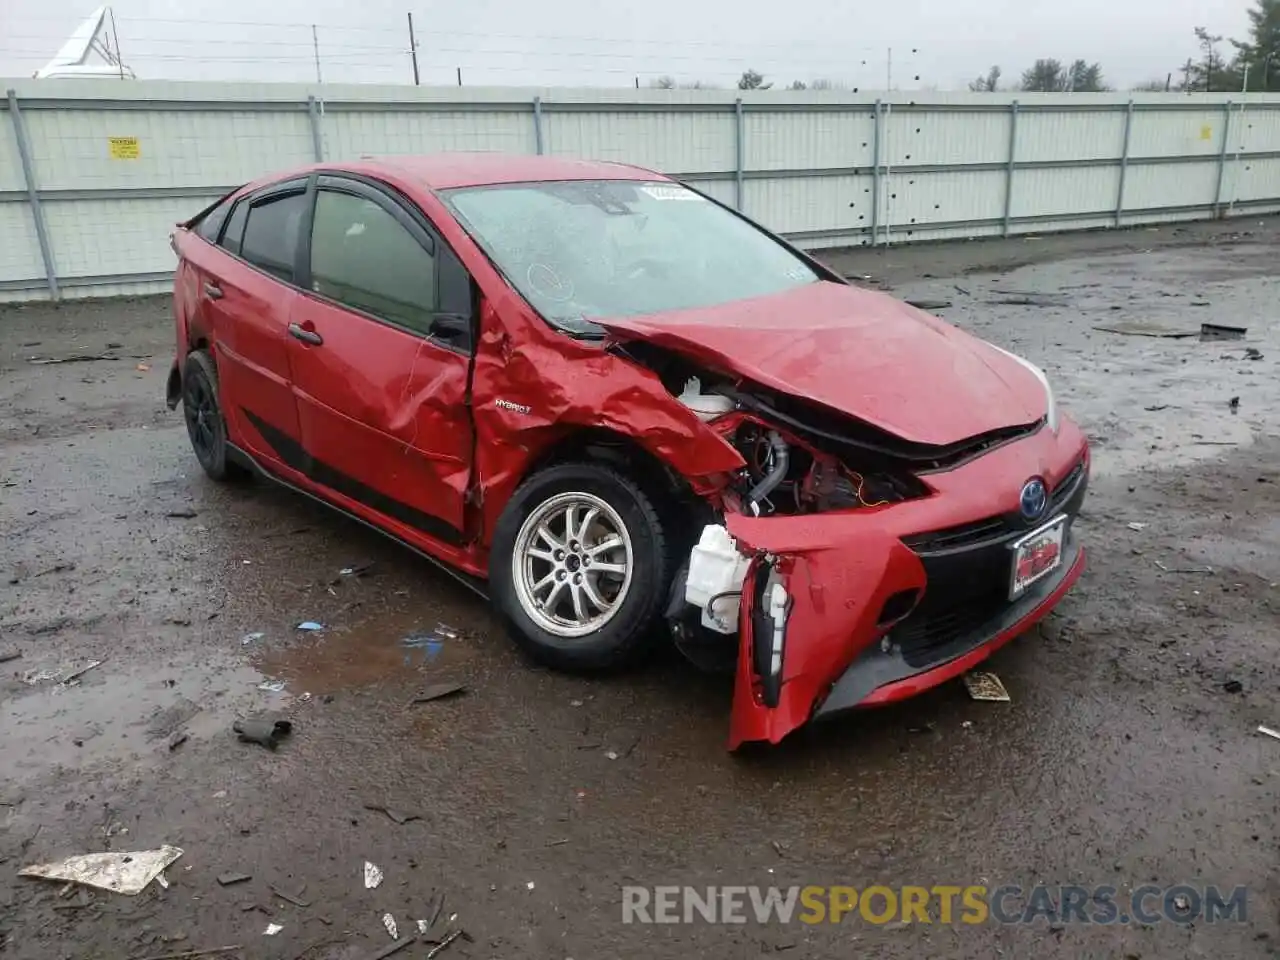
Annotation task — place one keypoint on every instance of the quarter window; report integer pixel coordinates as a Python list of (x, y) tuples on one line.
[(271, 235), (211, 223), (363, 257)]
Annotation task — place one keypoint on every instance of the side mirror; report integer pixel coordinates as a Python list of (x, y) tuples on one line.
[(451, 326)]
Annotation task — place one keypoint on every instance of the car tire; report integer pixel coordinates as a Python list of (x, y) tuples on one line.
[(202, 411), (606, 506)]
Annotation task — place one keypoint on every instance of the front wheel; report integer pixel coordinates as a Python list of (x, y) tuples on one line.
[(579, 567)]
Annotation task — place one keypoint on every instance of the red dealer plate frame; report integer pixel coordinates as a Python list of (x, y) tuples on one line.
[(1036, 555)]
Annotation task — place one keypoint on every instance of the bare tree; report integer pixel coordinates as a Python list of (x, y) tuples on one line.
[(750, 80), (797, 85), (989, 82), (663, 83)]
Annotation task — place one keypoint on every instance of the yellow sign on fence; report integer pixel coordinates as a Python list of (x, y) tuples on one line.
[(124, 148)]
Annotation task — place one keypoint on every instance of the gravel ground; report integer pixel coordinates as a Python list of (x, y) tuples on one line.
[(1128, 755)]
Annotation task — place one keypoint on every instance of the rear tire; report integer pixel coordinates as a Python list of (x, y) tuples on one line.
[(202, 411), (579, 568)]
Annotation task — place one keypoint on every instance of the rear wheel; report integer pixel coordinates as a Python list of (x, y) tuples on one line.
[(579, 567), (206, 427)]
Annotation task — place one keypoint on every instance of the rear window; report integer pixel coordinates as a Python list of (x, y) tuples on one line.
[(271, 234)]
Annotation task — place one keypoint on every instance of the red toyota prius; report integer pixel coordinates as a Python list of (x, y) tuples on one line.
[(621, 409)]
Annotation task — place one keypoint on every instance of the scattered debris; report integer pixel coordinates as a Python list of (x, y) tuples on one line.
[(144, 368), (75, 675), (961, 290), (1252, 353), (443, 944), (1143, 328), (293, 898), (229, 879), (262, 730), (389, 922), (985, 686), (444, 630), (272, 686), (192, 954), (127, 873), (163, 881), (272, 929), (1161, 566), (438, 691), (435, 912), (1155, 407), (1234, 404), (930, 304), (249, 638), (1267, 731), (57, 568), (1218, 331), (393, 948), (529, 885), (10, 655), (398, 816), (182, 514), (1233, 686), (178, 738), (74, 358), (357, 570), (372, 876), (1135, 525), (310, 626)]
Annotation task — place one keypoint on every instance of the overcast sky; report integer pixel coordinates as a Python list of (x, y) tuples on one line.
[(570, 42)]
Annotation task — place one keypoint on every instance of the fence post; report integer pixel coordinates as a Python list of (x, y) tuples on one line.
[(1222, 159), (1008, 177), (537, 124), (1124, 162), (33, 194), (738, 153), (317, 141), (875, 175)]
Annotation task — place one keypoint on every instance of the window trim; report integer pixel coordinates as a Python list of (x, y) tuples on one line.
[(415, 222)]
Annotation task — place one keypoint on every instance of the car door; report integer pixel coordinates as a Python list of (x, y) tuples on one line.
[(380, 349), (247, 290)]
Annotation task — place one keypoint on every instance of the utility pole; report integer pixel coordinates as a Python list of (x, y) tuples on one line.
[(315, 47), (888, 71), (459, 76), (1168, 81), (413, 49)]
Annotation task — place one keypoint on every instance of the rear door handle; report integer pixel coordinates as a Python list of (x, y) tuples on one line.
[(212, 291), (306, 336)]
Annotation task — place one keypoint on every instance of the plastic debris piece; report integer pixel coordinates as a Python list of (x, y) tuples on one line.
[(310, 626), (249, 638), (127, 873), (438, 691), (423, 926), (1220, 331), (77, 674), (611, 754), (1134, 525), (294, 898), (273, 686), (443, 944), (185, 514), (1233, 686), (372, 876), (389, 922), (163, 881), (356, 570), (227, 879), (272, 929), (985, 686), (447, 631), (529, 885), (399, 816), (262, 730), (1267, 731)]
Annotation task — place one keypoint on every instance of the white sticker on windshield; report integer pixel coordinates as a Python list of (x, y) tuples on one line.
[(672, 192)]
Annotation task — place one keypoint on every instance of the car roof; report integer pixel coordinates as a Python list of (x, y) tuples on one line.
[(444, 171)]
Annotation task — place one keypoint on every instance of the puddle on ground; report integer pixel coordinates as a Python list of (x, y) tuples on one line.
[(393, 648)]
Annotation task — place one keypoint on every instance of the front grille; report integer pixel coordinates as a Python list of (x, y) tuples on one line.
[(967, 576), (997, 527)]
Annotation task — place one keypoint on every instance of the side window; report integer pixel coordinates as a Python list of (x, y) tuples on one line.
[(211, 223), (235, 227), (363, 257), (271, 233)]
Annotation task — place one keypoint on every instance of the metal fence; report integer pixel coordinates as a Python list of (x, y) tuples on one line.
[(93, 174)]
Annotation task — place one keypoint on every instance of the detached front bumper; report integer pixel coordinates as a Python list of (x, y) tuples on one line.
[(876, 611)]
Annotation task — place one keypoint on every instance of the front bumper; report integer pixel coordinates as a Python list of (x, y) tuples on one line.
[(878, 611)]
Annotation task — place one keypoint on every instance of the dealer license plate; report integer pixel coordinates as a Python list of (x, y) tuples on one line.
[(1036, 555)]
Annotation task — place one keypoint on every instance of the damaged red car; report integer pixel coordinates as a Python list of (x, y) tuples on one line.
[(621, 409)]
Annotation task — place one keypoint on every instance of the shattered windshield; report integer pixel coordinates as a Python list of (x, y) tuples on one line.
[(580, 249)]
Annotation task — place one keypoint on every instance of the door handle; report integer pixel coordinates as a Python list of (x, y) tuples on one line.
[(306, 336), (212, 291)]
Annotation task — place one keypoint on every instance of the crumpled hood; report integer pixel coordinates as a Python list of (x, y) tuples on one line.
[(862, 353)]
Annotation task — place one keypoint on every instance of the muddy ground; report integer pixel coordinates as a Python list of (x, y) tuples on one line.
[(1123, 759)]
